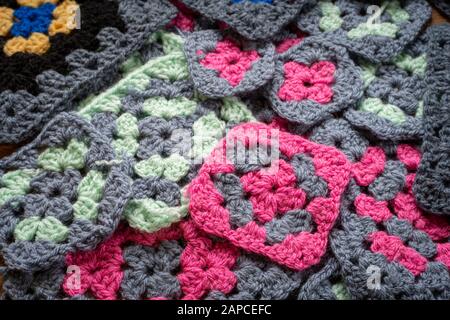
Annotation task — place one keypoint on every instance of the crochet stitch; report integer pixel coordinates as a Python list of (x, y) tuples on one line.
[(255, 20), (279, 213), (392, 104), (58, 196), (220, 66), (153, 117), (381, 227), (432, 184), (312, 81), (173, 263), (347, 23), (251, 149), (81, 63)]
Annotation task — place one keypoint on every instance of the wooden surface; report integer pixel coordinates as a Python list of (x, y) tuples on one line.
[(5, 150)]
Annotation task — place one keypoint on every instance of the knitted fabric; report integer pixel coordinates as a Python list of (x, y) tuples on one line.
[(381, 228), (282, 209), (432, 185), (255, 20), (74, 65), (220, 66), (313, 80), (392, 104), (353, 25)]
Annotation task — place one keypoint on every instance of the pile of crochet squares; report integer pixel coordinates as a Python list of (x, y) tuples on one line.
[(224, 149)]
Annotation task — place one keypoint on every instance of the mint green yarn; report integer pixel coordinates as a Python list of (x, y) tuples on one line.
[(151, 215), (35, 228), (385, 29), (127, 134), (340, 291), (90, 191), (173, 168), (171, 42), (235, 111), (331, 19), (416, 65), (16, 183), (387, 111), (59, 159), (172, 67), (419, 111), (398, 15), (368, 72), (207, 132), (168, 108), (131, 64)]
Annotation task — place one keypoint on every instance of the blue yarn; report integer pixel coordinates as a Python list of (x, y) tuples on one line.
[(254, 1), (32, 20)]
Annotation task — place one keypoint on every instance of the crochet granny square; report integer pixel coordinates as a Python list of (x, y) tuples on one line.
[(282, 209), (58, 194), (224, 65), (432, 185), (54, 52), (376, 32), (254, 19), (313, 80), (392, 104)]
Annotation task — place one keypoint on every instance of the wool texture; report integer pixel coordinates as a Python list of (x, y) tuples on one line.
[(224, 150)]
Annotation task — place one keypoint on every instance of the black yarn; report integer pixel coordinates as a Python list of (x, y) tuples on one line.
[(20, 70)]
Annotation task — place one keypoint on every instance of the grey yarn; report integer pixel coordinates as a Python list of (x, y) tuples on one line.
[(347, 87), (58, 93), (255, 21), (353, 13), (338, 133), (432, 184), (54, 193), (395, 86), (258, 279), (208, 82), (39, 285), (291, 222), (320, 280), (349, 244), (151, 272)]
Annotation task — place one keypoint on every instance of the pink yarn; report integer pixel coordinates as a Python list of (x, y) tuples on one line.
[(394, 250), (273, 193), (403, 206), (368, 206), (286, 44), (297, 251), (230, 61), (312, 83), (371, 165), (205, 265), (101, 269), (443, 253), (185, 17)]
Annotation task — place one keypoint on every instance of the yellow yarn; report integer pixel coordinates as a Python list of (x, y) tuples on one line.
[(64, 18), (35, 3), (37, 43), (6, 20)]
